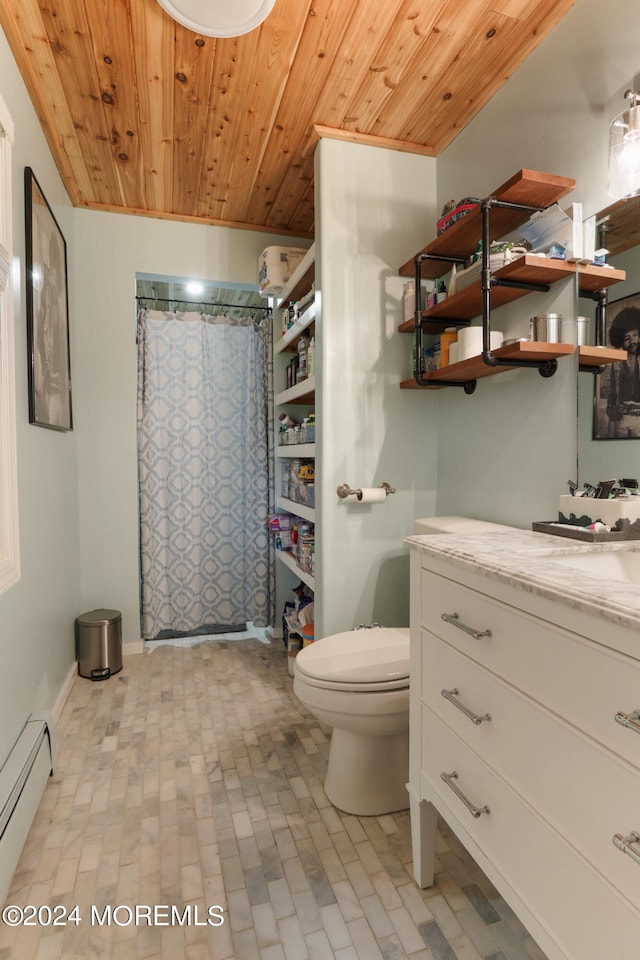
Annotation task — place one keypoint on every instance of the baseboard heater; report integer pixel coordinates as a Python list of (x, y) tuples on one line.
[(22, 781)]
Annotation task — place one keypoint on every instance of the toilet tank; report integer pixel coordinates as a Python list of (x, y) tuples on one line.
[(430, 525)]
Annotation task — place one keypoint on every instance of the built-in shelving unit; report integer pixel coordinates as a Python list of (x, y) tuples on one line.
[(302, 394), (496, 216)]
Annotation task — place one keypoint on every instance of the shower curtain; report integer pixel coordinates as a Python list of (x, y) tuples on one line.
[(205, 456)]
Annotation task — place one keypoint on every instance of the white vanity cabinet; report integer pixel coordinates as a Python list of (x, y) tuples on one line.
[(514, 742)]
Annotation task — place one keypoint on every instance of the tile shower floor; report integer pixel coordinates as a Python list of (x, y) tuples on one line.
[(194, 778)]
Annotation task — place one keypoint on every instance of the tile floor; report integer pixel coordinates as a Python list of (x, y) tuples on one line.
[(193, 779)]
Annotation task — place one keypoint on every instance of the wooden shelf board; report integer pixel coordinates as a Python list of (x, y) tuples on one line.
[(528, 187), (467, 303), (599, 356), (593, 278), (434, 325), (475, 368)]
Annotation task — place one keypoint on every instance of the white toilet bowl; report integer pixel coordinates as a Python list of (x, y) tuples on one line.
[(358, 683)]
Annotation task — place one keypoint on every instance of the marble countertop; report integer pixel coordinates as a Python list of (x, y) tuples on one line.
[(525, 559)]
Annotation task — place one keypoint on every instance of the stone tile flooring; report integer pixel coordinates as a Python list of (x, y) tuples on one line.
[(193, 779)]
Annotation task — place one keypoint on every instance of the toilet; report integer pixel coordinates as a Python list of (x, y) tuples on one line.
[(357, 682)]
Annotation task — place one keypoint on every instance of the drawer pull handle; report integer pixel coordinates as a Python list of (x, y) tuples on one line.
[(624, 844), (471, 807), (630, 720), (454, 619), (452, 697)]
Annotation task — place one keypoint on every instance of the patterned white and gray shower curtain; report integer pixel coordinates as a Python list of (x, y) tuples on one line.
[(205, 454)]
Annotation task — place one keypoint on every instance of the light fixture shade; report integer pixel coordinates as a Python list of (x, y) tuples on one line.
[(624, 151), (219, 18)]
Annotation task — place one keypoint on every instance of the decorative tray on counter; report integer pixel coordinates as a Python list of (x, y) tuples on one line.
[(631, 531)]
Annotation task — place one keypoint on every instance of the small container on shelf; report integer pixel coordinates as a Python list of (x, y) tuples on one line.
[(311, 357), (449, 336), (301, 372)]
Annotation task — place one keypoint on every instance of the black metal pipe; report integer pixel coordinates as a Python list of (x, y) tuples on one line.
[(417, 320)]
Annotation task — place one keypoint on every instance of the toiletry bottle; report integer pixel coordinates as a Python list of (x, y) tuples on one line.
[(409, 299), (449, 336), (441, 292), (452, 280), (311, 357), (303, 344)]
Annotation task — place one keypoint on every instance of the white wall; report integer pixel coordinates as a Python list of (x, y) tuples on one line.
[(109, 250), (372, 209), (37, 615), (507, 452)]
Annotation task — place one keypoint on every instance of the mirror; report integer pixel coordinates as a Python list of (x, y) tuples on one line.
[(609, 402)]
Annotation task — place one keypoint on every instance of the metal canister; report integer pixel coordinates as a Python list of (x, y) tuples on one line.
[(576, 330), (546, 327)]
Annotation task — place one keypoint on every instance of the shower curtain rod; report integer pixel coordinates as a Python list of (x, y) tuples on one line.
[(205, 303)]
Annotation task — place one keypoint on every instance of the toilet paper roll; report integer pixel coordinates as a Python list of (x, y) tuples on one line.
[(470, 342), (372, 495)]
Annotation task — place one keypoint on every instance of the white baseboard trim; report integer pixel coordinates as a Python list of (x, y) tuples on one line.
[(132, 648), (56, 711)]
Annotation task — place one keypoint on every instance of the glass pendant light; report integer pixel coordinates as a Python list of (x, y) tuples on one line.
[(624, 150), (219, 18)]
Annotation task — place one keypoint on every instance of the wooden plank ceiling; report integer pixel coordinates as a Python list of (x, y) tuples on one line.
[(145, 117)]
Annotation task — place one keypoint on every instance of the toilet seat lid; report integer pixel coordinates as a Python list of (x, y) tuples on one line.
[(378, 655)]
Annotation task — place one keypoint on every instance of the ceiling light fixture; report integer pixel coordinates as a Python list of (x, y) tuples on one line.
[(219, 18), (624, 150)]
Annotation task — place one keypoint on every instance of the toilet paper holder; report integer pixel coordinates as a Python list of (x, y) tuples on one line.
[(344, 490)]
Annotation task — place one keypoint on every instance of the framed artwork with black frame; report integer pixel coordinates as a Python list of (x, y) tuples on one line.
[(616, 400), (47, 312)]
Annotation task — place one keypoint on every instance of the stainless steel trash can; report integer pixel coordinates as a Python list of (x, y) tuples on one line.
[(99, 644)]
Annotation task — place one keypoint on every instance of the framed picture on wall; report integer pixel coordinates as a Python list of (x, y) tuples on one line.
[(616, 406), (47, 313)]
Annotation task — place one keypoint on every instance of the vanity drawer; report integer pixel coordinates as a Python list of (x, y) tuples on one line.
[(578, 679), (558, 886), (582, 789)]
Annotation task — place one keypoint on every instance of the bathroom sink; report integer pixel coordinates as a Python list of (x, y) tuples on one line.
[(621, 565)]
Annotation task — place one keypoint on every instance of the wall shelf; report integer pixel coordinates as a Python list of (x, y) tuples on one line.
[(594, 357), (475, 368), (527, 187), (303, 392), (287, 558), (294, 450), (527, 192), (301, 283), (297, 509), (467, 303), (290, 339)]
